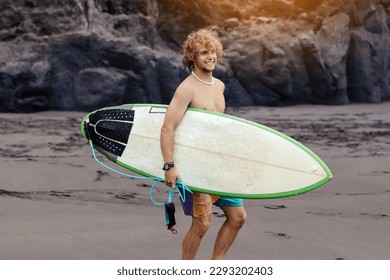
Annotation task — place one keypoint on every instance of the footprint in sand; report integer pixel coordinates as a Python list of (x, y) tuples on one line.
[(219, 215), (279, 234), (126, 196), (274, 207)]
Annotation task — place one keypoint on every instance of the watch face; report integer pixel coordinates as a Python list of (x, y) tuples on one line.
[(168, 166)]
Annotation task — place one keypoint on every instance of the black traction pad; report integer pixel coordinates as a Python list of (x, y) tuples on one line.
[(108, 127)]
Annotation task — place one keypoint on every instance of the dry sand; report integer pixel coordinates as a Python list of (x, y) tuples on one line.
[(57, 203)]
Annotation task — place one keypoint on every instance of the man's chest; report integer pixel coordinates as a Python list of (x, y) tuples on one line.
[(206, 100)]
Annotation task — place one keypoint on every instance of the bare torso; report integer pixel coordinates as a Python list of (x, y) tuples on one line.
[(206, 97)]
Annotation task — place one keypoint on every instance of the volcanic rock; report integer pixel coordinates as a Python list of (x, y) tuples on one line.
[(87, 54)]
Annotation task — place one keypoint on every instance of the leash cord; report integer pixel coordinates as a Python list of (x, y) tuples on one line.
[(179, 183)]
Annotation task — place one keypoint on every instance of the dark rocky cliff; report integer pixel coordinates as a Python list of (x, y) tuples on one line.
[(86, 54)]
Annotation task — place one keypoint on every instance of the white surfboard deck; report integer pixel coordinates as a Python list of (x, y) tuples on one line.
[(220, 154)]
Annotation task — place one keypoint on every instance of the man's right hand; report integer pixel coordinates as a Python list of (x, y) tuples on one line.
[(171, 176)]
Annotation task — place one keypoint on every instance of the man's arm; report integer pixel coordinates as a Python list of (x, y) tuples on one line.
[(175, 112)]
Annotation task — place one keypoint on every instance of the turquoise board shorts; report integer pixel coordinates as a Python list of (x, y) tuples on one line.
[(199, 205), (229, 201)]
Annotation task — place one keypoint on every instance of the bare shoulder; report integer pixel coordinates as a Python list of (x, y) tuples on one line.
[(184, 90), (220, 84), (181, 99)]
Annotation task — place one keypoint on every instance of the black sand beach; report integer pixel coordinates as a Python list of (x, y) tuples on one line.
[(57, 203)]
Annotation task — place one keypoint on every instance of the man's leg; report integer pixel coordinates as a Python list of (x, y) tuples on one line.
[(193, 237), (202, 204), (235, 218)]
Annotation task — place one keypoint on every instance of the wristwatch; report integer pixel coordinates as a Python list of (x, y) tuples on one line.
[(168, 165)]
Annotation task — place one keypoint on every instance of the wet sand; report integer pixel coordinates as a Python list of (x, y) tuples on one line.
[(57, 203)]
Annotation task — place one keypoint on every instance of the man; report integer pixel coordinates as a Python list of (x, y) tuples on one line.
[(201, 52)]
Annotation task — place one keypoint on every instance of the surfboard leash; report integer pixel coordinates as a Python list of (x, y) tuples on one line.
[(168, 205)]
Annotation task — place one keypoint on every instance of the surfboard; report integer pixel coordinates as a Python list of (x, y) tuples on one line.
[(215, 153)]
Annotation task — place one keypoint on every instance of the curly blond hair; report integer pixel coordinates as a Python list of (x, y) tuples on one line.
[(202, 38)]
